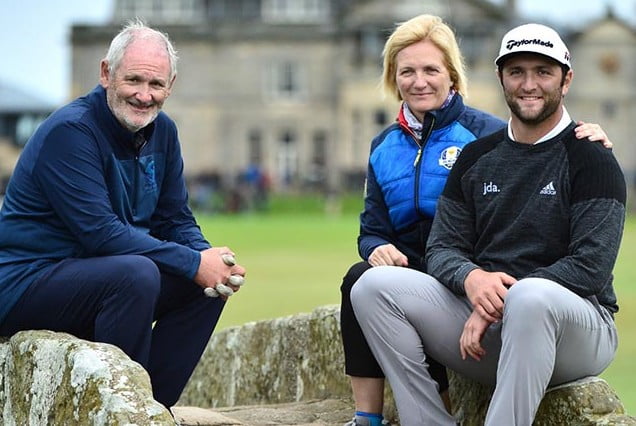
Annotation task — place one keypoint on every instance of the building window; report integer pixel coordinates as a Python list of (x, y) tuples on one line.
[(255, 142), (178, 11), (380, 118), (126, 8), (608, 109), (173, 11), (319, 154), (285, 81), (316, 173), (215, 9), (251, 9), (474, 40), (287, 158), (369, 43), (219, 10), (26, 125), (356, 133), (295, 11)]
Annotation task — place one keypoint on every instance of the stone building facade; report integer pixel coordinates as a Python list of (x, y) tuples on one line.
[(604, 63), (291, 86)]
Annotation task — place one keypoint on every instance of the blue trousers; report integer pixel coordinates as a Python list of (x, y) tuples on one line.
[(116, 299)]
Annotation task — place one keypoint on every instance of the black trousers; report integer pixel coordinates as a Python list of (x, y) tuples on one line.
[(359, 360)]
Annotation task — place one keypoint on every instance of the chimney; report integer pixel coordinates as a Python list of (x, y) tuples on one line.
[(511, 9)]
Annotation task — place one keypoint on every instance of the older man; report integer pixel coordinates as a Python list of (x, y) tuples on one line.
[(96, 237), (520, 256)]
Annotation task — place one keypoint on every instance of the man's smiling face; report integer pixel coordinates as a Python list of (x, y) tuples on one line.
[(138, 87), (534, 87)]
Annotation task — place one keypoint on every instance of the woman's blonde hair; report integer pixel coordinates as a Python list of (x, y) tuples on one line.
[(420, 28)]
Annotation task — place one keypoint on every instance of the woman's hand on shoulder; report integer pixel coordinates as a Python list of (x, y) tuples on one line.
[(593, 132)]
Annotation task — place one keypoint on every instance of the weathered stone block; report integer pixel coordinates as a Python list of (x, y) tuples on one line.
[(57, 379), (589, 401), (300, 358), (586, 402), (281, 360)]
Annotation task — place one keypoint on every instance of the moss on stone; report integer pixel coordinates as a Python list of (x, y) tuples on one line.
[(56, 378)]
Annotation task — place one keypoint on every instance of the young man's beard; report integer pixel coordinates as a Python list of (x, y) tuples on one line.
[(552, 102)]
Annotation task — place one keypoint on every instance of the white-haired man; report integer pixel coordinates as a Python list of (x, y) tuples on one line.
[(96, 237)]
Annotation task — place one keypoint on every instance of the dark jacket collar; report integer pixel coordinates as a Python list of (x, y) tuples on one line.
[(443, 117), (108, 121)]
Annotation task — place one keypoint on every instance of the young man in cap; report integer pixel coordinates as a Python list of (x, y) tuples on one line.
[(520, 256)]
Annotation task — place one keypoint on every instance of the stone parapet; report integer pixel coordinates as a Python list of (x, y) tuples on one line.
[(300, 358), (586, 402), (281, 371), (52, 378), (281, 360)]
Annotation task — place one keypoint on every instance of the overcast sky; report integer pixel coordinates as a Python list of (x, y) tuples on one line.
[(34, 35)]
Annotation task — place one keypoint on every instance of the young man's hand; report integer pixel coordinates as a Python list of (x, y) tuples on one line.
[(487, 292), (470, 340)]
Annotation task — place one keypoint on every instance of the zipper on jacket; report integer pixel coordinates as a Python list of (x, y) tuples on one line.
[(422, 144), (134, 188), (417, 157), (140, 143)]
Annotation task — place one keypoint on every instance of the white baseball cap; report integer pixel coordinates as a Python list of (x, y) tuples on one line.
[(534, 38)]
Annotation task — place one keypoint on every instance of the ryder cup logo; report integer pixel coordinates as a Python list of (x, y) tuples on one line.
[(449, 156), (511, 44)]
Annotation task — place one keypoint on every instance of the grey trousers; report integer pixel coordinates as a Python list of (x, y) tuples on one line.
[(548, 336)]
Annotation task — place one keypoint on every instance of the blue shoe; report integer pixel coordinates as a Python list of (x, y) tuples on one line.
[(364, 421)]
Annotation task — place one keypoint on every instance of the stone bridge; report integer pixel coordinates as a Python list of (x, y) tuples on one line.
[(285, 371)]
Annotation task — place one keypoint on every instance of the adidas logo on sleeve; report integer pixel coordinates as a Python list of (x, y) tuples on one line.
[(548, 190)]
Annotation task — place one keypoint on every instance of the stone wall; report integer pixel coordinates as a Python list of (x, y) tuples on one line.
[(282, 360), (586, 402), (52, 378), (57, 379), (299, 358)]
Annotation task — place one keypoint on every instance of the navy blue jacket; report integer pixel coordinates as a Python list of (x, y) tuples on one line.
[(406, 175), (81, 189)]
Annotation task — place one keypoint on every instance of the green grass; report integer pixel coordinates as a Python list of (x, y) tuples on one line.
[(296, 261), (621, 373)]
